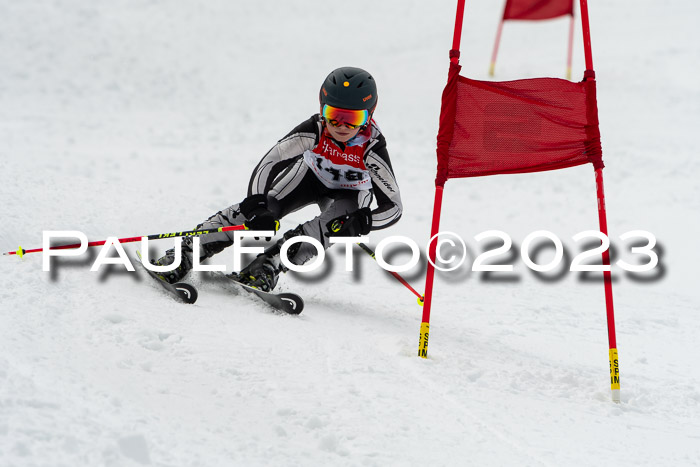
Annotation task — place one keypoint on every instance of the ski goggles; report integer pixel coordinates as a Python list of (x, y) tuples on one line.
[(350, 118)]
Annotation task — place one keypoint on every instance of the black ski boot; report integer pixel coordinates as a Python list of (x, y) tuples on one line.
[(168, 258), (261, 274)]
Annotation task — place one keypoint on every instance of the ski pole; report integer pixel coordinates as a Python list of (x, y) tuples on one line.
[(398, 277), (187, 233)]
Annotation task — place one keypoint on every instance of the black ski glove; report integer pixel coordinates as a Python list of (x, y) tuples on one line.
[(351, 225), (258, 216)]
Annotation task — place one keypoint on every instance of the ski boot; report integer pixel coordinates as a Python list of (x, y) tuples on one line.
[(261, 274), (168, 258)]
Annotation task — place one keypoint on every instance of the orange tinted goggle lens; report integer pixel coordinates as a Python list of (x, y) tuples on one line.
[(350, 118)]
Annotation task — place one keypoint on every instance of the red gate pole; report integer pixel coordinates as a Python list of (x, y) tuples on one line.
[(607, 280), (603, 221), (444, 138), (570, 54), (430, 274), (492, 67), (586, 35), (457, 37)]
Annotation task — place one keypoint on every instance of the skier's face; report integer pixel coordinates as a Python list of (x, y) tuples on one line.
[(341, 133), (343, 124)]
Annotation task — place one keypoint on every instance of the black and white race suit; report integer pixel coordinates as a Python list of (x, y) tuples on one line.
[(309, 167)]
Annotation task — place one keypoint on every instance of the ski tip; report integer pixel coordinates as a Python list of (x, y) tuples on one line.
[(186, 292), (293, 304)]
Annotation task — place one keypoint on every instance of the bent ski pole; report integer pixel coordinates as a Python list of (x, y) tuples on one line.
[(187, 233), (398, 277)]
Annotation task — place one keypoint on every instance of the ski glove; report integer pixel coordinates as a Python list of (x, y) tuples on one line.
[(258, 216), (351, 225)]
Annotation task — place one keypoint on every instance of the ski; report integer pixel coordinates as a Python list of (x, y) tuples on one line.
[(181, 291), (289, 303)]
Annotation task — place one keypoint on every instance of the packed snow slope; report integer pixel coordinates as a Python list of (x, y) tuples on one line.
[(131, 117)]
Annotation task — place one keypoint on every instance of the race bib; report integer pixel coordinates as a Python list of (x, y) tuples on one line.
[(338, 169)]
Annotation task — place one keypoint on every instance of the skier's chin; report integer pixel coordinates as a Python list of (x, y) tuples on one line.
[(342, 136)]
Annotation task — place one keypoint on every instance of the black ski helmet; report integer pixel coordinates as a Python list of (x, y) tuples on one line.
[(349, 88)]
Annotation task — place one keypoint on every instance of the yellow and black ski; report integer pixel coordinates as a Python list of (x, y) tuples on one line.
[(289, 303), (181, 291)]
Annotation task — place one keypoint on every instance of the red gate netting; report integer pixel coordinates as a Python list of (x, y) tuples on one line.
[(529, 125), (537, 9)]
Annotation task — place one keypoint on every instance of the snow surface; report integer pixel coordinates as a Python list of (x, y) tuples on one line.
[(131, 117)]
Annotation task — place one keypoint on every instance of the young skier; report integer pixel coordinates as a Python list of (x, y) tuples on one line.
[(336, 159)]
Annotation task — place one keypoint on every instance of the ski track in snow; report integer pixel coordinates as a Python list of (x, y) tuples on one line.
[(130, 117)]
